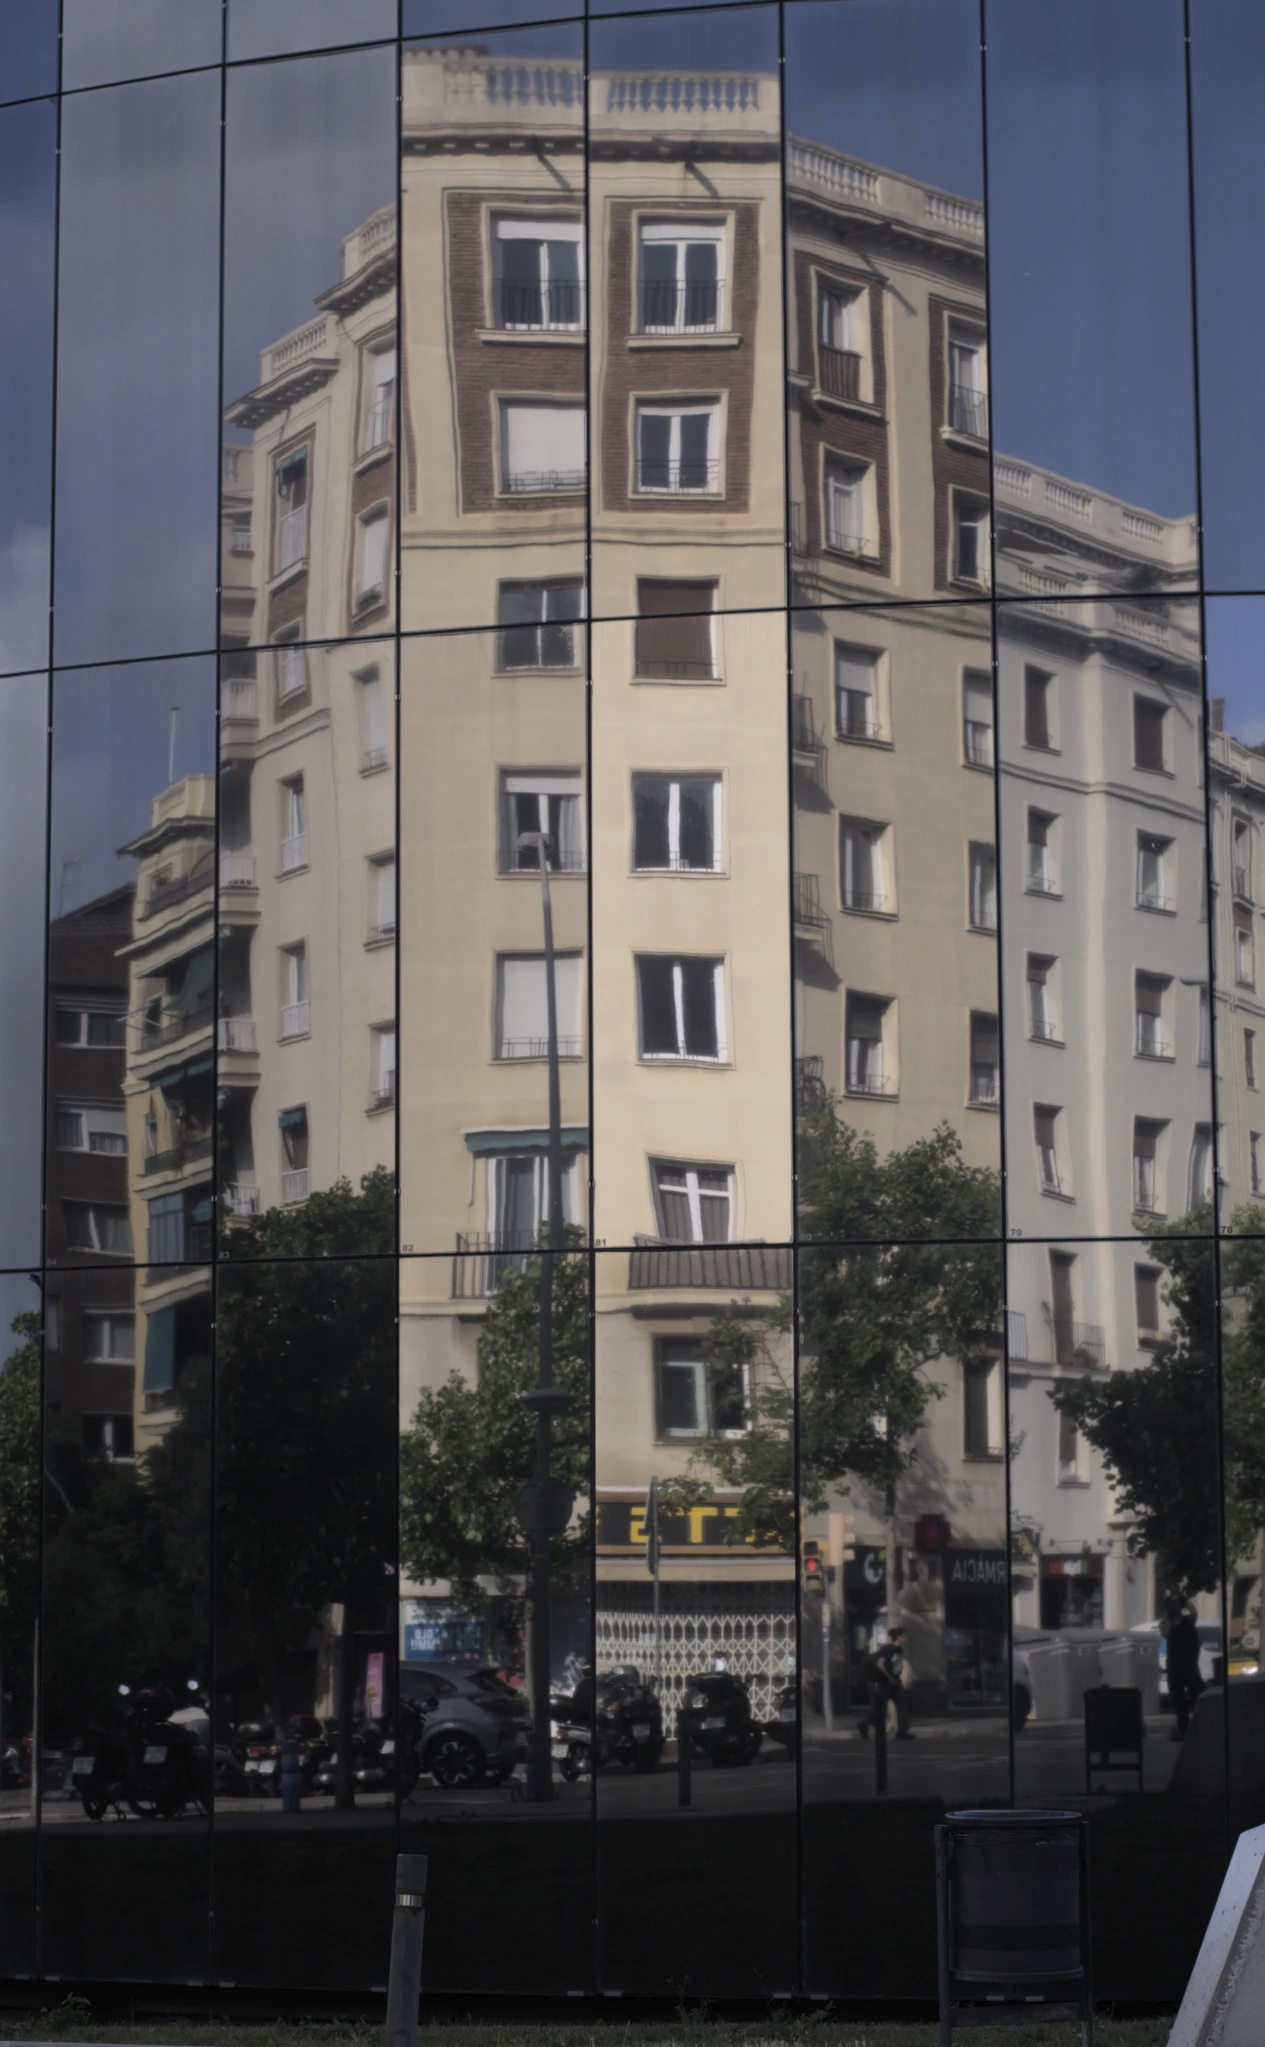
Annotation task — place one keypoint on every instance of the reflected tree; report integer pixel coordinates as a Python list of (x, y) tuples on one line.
[(19, 1521)]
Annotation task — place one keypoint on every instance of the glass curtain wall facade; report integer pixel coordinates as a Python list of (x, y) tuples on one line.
[(630, 672)]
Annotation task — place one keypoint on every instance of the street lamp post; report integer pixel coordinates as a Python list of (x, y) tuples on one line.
[(545, 1503)]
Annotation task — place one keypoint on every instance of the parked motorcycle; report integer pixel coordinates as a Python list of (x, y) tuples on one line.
[(784, 1726), (156, 1766), (717, 1720), (618, 1719)]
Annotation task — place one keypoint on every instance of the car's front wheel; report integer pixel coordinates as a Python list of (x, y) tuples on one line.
[(455, 1761)]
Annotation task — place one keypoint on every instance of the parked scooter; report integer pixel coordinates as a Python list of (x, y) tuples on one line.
[(617, 1719), (717, 1719), (784, 1726), (156, 1766)]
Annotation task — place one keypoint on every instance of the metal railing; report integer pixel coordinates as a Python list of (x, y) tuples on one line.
[(483, 1258), (181, 1025), (559, 302), (1040, 873), (863, 899), (805, 738), (537, 1048), (239, 697), (840, 371), (294, 1019), (977, 743), (855, 713), (861, 1081), (241, 543), (985, 1085), (671, 308), (235, 1034), (1042, 1028), (810, 1085), (384, 1094), (542, 482), (241, 1198), (1152, 899), (291, 537), (294, 1185), (237, 870), (806, 890), (1149, 1041), (191, 1152), (968, 411), (374, 757), (738, 1268), (384, 930), (293, 852), (168, 893), (1079, 1343), (684, 474)]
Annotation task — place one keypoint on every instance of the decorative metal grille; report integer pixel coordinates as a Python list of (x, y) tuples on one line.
[(751, 1626)]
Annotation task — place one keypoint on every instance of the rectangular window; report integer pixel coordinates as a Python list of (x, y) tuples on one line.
[(294, 991), (372, 531), (675, 631), (1037, 724), (382, 896), (838, 357), (982, 1409), (862, 878), (1153, 891), (292, 499), (1042, 1012), (91, 1126), (694, 1204), (381, 1065), (983, 888), (542, 447), (522, 1005), (1148, 734), (1244, 960), (1071, 1455), (863, 1031), (985, 1060), (970, 539), (692, 1400), (681, 1006), (678, 448), (1205, 1028), (968, 384), (1254, 1160), (1146, 1299), (373, 719), (676, 824), (379, 424), (538, 278), (293, 824), (537, 802), (1199, 1177), (109, 1336), (99, 1029), (977, 718), (167, 1234), (857, 711), (681, 276), (537, 625), (290, 665), (518, 1201), (1045, 1133), (109, 1437), (846, 507), (1151, 1039), (1042, 871), (1241, 859), (293, 1131), (1249, 1058), (1146, 1144), (98, 1226)]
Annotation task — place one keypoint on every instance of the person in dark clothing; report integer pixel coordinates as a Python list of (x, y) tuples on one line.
[(1185, 1680), (886, 1675)]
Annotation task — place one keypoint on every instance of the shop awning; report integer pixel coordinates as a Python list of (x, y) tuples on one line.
[(160, 1351)]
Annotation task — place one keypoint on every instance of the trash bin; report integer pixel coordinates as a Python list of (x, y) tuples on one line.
[(1133, 1660), (1012, 1897), (1062, 1672)]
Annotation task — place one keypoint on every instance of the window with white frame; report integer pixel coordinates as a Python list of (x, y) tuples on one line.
[(678, 446), (372, 710), (372, 529), (1152, 994), (985, 1088), (849, 527), (1150, 736), (542, 447), (982, 1408), (381, 1065), (863, 851), (109, 1336), (1154, 891), (538, 272), (693, 1204), (695, 1398), (1244, 956), (982, 887), (518, 1197), (292, 481), (1043, 867), (91, 1126), (1045, 1131), (290, 664), (294, 990), (540, 800), (522, 1005), (970, 539), (839, 353), (1147, 1191), (858, 705), (968, 382), (537, 625), (1071, 1452), (109, 1437), (867, 1069), (379, 421), (1043, 1006), (98, 1226), (96, 1028), (293, 824), (977, 718), (1199, 1174), (682, 276), (676, 824), (382, 896), (681, 1007), (1241, 858), (1146, 1303), (292, 1128)]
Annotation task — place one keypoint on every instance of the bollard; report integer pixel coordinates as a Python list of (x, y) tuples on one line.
[(291, 1782), (684, 1791), (880, 1741), (404, 1983)]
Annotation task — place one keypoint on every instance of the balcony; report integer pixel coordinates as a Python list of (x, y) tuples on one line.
[(968, 411), (840, 372), (682, 476), (294, 1020), (1149, 1041), (865, 1081), (1041, 881), (865, 899), (237, 870), (726, 1268), (239, 700), (810, 1086), (291, 538), (537, 1048), (172, 1028), (167, 894), (235, 1034), (1154, 899), (543, 482), (1081, 1344), (294, 853), (294, 1186), (193, 1151), (670, 308), (383, 1096), (539, 307), (855, 713), (483, 1258), (241, 1199), (372, 758)]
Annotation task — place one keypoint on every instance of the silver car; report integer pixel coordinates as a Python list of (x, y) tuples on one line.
[(474, 1725)]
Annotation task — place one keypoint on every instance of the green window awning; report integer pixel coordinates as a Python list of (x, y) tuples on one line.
[(202, 1211), (575, 1137), (175, 1077), (291, 1119), (160, 1351)]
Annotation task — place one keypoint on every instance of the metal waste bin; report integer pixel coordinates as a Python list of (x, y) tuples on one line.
[(1012, 1911), (1062, 1671), (1133, 1660)]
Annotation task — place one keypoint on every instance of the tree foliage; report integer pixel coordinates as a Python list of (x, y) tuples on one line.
[(19, 1510)]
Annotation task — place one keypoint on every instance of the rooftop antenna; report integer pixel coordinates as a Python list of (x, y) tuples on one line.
[(75, 860)]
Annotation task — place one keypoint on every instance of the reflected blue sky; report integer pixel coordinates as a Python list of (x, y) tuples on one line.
[(28, 165), (270, 28), (103, 40), (1234, 643), (28, 48)]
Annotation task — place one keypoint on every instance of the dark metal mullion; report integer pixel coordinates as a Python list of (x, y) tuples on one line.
[(595, 1861), (397, 656)]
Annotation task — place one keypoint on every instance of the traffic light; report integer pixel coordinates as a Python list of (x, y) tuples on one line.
[(814, 1572)]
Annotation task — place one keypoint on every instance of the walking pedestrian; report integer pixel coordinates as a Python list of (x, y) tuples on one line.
[(885, 1672)]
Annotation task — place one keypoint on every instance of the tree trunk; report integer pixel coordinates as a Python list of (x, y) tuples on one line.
[(344, 1779)]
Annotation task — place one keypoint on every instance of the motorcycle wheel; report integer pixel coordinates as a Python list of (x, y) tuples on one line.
[(455, 1762), (576, 1762), (142, 1805), (95, 1804)]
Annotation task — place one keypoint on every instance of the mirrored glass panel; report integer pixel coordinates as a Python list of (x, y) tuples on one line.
[(438, 17), (494, 1776), (307, 538), (494, 295), (693, 1692), (1093, 403), (131, 966), (886, 305), (305, 1026), (493, 732), (1243, 1388), (1116, 1579), (21, 1319), (685, 362), (127, 1767), (691, 984), (28, 50), (897, 1047), (904, 1690), (137, 319), (23, 783), (304, 1712), (106, 40), (28, 162), (1236, 780), (1104, 918), (270, 28), (1227, 71)]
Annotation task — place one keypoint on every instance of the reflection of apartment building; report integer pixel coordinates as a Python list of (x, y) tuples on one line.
[(1238, 889), (90, 1334)]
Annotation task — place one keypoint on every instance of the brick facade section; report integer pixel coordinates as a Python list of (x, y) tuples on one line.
[(826, 430), (952, 467), (486, 370)]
